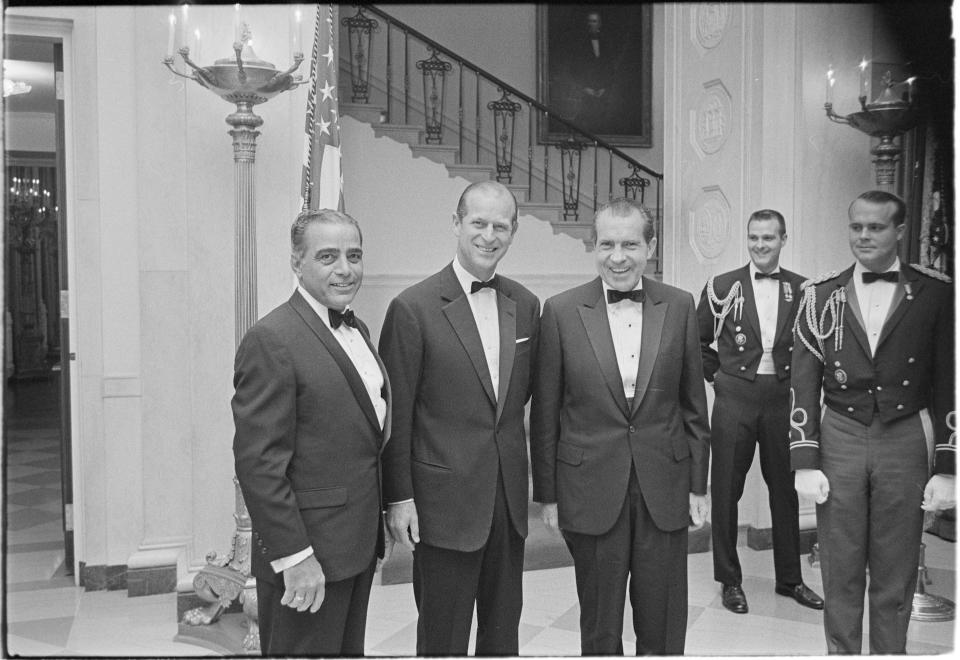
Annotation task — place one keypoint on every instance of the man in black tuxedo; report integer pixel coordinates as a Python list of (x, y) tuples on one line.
[(311, 411), (619, 438), (748, 314), (458, 347)]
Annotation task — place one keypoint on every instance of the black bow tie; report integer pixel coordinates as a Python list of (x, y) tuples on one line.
[(890, 276), (346, 317), (762, 276), (614, 296), (489, 284)]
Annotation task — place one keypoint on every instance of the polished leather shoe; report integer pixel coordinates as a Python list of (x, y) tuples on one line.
[(734, 599), (802, 594)]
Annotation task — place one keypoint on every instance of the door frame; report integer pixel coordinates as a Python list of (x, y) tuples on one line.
[(61, 31)]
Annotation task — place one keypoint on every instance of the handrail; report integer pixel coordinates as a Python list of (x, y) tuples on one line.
[(512, 90)]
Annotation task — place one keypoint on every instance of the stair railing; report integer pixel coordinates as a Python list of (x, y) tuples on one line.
[(578, 150)]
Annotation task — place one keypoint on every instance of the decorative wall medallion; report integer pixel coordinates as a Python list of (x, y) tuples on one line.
[(711, 120), (709, 22), (709, 224)]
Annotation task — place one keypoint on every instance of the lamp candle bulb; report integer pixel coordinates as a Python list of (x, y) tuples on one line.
[(236, 23), (196, 44), (830, 81), (171, 34), (297, 19), (910, 82), (863, 78)]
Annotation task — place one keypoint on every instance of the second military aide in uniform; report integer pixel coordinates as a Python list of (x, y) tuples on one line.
[(877, 341), (748, 314)]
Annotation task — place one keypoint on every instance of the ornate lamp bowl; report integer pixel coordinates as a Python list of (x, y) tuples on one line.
[(884, 121)]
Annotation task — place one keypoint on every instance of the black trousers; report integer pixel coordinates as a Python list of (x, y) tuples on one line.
[(747, 414), (655, 562), (336, 629), (447, 583), (871, 520)]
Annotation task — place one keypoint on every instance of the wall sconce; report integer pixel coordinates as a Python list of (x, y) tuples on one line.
[(888, 116)]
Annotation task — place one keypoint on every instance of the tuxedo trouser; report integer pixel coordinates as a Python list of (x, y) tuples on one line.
[(446, 583), (747, 414), (871, 520), (336, 629), (656, 562)]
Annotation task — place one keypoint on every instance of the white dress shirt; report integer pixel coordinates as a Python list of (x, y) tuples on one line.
[(874, 299), (483, 304), (626, 327), (766, 293), (367, 366)]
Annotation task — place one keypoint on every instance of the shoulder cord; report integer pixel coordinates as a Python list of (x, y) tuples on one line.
[(834, 306), (721, 308)]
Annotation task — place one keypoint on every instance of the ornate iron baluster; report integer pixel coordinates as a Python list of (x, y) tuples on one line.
[(476, 116), (633, 184), (360, 29), (460, 111), (406, 77), (434, 88), (570, 152), (530, 152), (389, 72), (504, 124)]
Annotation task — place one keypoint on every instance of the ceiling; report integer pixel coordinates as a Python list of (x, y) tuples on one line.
[(30, 60)]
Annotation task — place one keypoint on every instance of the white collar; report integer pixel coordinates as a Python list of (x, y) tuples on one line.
[(464, 276), (322, 311)]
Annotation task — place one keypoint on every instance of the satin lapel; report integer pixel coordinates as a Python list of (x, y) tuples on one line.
[(750, 303), (339, 356), (654, 314), (460, 316), (856, 327), (387, 393), (595, 322), (901, 303), (507, 315)]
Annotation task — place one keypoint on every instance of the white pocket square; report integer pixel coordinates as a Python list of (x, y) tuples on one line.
[(520, 341)]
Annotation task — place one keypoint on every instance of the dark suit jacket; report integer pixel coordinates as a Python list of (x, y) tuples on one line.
[(307, 445), (913, 367), (742, 359), (583, 435), (449, 431)]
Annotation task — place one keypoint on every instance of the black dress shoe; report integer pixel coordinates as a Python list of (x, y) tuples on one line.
[(734, 599), (802, 594)]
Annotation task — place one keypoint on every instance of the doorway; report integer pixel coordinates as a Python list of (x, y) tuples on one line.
[(37, 358)]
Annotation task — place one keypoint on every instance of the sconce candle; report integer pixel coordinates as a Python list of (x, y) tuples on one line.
[(196, 44), (184, 13), (171, 33), (830, 86), (863, 78), (236, 23), (296, 19)]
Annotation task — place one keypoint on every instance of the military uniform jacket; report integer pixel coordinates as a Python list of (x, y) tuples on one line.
[(913, 367), (739, 345)]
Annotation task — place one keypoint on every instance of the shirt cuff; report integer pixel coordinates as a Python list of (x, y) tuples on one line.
[(400, 502), (282, 564)]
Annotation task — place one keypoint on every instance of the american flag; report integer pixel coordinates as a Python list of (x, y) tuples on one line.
[(322, 185)]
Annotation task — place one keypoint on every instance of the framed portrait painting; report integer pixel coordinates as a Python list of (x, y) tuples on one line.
[(595, 69)]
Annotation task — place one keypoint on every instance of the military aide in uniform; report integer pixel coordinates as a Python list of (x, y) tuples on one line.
[(878, 340), (749, 313)]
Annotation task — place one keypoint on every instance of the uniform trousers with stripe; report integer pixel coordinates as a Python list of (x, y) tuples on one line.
[(871, 520)]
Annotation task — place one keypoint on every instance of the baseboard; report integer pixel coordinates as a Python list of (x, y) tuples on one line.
[(101, 577), (151, 580)]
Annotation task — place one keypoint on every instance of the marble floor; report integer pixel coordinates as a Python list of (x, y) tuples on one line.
[(46, 615)]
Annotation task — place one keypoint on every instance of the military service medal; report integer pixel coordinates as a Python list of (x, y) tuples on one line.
[(787, 292), (740, 338)]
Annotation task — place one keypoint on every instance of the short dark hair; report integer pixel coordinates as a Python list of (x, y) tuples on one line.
[(769, 214), (883, 197), (622, 207), (305, 218), (485, 185)]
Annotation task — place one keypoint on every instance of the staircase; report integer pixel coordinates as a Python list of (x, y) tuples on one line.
[(449, 156)]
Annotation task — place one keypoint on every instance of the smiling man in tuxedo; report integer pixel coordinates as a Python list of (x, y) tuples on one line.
[(458, 347), (311, 411), (620, 438)]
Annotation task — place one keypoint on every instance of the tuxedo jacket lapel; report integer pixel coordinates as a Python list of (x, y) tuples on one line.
[(857, 327), (654, 314), (340, 356), (901, 302), (749, 301), (387, 393), (595, 322), (458, 313), (784, 317), (507, 316)]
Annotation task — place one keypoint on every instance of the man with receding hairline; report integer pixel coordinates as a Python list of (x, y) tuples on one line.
[(875, 343), (619, 438), (459, 347), (311, 411)]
